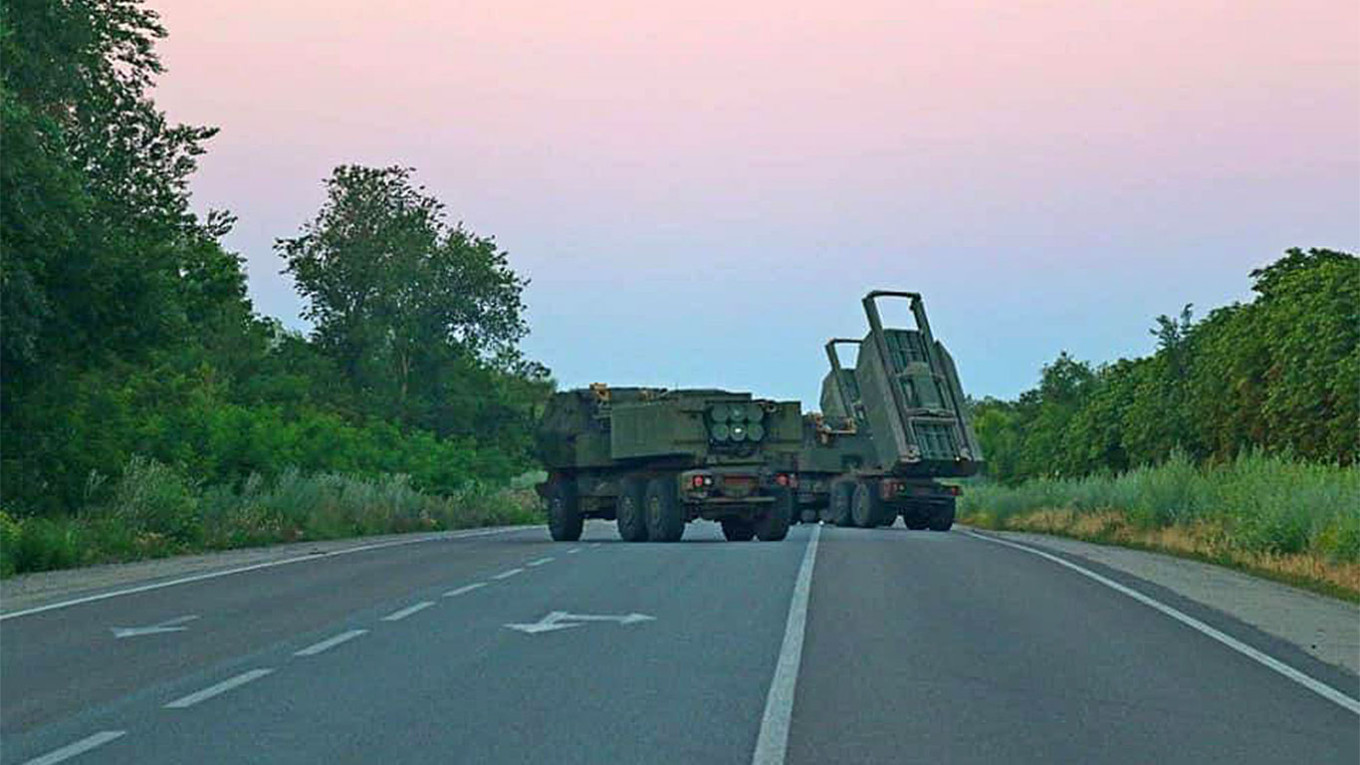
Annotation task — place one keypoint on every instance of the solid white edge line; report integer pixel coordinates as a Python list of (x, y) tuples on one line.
[(508, 574), (1266, 660), (79, 747), (540, 561), (330, 642), (215, 690), (773, 742), (464, 589), (397, 616), (256, 567)]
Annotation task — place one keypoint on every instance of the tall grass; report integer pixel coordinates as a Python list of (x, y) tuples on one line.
[(152, 511), (1257, 507)]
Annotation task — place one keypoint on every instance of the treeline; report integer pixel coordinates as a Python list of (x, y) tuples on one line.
[(125, 327), (1278, 375)]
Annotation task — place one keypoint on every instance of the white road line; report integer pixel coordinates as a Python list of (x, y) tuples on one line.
[(254, 567), (508, 574), (330, 642), (596, 544), (220, 688), (1266, 660), (573, 551), (540, 561), (80, 747), (773, 741), (464, 589), (397, 616)]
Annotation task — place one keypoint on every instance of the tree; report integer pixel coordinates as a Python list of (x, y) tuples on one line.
[(403, 301)]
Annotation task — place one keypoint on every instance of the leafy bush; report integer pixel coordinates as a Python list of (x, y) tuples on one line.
[(154, 511)]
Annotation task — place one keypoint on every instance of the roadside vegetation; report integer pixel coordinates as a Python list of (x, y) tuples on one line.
[(1236, 441), (147, 408)]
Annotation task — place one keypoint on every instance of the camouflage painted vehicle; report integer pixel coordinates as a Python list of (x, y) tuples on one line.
[(655, 459), (889, 428)]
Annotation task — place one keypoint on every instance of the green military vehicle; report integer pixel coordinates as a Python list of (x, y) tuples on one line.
[(889, 428), (655, 459)]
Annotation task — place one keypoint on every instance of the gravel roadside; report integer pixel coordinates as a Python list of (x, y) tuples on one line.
[(1326, 628)]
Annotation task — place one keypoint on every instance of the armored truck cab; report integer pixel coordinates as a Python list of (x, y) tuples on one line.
[(654, 459), (899, 424)]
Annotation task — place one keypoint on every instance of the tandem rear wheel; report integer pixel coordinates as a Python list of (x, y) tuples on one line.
[(630, 513), (665, 514)]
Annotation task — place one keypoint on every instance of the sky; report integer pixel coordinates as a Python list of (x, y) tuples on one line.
[(701, 192)]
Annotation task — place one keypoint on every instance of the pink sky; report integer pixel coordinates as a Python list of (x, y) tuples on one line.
[(1051, 175)]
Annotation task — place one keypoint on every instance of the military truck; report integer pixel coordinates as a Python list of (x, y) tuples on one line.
[(654, 459), (888, 430)]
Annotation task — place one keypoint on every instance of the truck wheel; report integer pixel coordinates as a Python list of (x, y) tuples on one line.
[(774, 524), (565, 521), (916, 516), (738, 530), (842, 496), (809, 516), (665, 514), (632, 519), (942, 515), (866, 507)]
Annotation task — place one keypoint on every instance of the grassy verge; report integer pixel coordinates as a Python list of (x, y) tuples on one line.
[(1291, 521), (154, 512)]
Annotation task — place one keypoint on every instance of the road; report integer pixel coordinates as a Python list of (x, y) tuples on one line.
[(838, 645)]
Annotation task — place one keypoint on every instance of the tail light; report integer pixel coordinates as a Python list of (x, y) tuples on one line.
[(954, 490), (698, 481)]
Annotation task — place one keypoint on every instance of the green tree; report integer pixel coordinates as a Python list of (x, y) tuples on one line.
[(402, 300)]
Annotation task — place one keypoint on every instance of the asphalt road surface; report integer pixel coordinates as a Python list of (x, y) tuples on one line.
[(838, 645)]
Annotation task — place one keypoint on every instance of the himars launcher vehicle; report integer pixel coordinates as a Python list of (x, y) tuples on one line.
[(655, 459), (888, 429)]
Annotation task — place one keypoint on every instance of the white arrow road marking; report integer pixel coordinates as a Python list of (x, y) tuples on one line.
[(562, 620), (170, 625)]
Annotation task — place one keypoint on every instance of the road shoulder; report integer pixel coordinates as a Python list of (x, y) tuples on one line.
[(41, 588), (1325, 628)]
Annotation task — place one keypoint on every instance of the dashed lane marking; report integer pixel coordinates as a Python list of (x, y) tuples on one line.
[(464, 589), (508, 574), (331, 642), (80, 747), (397, 616), (540, 561), (217, 690)]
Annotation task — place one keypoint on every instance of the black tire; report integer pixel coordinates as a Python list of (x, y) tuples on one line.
[(565, 521), (866, 507), (632, 517), (736, 530), (942, 515), (665, 514), (810, 516), (842, 495), (916, 516), (773, 525)]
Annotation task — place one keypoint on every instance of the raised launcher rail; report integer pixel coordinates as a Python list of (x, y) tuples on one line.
[(655, 459), (891, 427)]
